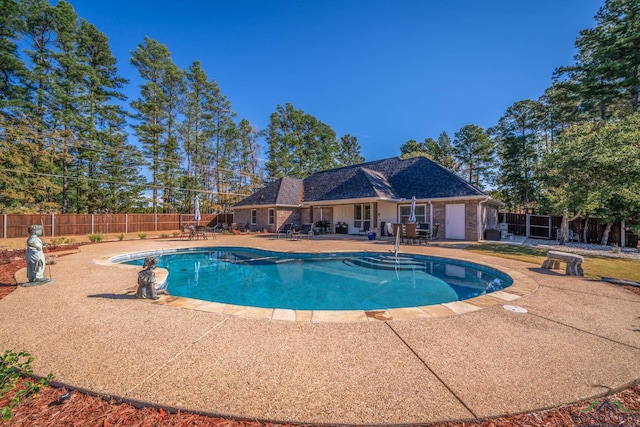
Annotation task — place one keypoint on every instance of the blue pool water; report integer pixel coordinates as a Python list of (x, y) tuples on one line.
[(343, 281)]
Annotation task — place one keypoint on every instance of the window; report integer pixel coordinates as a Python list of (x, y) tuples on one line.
[(253, 216), (421, 213), (362, 216), (271, 216)]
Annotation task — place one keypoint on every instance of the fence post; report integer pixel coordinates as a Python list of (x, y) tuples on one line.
[(92, 224), (4, 226), (550, 228), (623, 236), (528, 226), (53, 225), (155, 222), (126, 223)]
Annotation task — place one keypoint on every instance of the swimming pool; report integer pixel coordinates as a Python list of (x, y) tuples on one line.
[(335, 281)]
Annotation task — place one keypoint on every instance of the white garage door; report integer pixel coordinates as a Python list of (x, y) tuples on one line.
[(454, 215)]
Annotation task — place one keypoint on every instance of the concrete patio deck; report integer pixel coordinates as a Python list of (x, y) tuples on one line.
[(580, 339)]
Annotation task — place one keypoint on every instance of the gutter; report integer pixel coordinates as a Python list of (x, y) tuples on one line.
[(264, 206)]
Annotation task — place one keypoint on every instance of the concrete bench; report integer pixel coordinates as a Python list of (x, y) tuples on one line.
[(573, 261)]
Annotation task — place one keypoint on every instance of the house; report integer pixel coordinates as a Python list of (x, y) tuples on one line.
[(361, 197)]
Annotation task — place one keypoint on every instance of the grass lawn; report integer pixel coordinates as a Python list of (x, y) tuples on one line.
[(594, 266)]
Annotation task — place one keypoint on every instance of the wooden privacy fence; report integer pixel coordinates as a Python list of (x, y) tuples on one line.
[(547, 226), (80, 224)]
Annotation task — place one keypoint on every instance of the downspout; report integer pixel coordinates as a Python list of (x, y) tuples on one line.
[(480, 224), (430, 215)]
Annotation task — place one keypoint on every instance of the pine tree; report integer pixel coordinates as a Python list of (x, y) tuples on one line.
[(205, 132), (249, 168), (412, 148), (152, 60), (298, 144), (67, 88), (517, 136), (39, 35), (13, 92), (443, 153), (349, 152), (606, 75), (118, 181), (170, 170), (111, 182), (474, 150), (224, 146)]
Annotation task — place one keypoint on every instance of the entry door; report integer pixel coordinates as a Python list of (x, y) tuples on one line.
[(454, 216)]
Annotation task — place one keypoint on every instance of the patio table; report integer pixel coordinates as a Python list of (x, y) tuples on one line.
[(200, 231)]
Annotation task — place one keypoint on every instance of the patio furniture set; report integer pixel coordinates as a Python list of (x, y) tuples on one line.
[(295, 232), (196, 232), (413, 232)]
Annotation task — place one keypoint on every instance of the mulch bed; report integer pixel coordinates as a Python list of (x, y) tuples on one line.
[(82, 409)]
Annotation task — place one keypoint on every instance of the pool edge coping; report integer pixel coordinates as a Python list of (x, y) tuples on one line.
[(522, 286)]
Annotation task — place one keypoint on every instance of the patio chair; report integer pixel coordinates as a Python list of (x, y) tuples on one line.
[(397, 230), (295, 232), (285, 230), (434, 233), (307, 231), (573, 237), (423, 232), (212, 230), (187, 232), (410, 233)]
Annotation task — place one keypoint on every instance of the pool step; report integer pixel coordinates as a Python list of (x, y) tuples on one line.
[(239, 259), (387, 263)]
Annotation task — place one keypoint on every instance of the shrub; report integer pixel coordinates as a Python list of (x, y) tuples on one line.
[(12, 366), (142, 235), (176, 234), (164, 236), (57, 241), (121, 236), (96, 237)]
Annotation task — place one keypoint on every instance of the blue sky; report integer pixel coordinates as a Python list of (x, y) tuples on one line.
[(383, 71)]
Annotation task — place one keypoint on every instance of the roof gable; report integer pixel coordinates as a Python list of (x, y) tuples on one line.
[(284, 191)]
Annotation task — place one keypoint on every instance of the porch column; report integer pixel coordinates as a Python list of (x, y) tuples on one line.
[(430, 215), (375, 216)]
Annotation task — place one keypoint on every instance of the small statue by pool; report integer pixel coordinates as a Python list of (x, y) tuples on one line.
[(147, 280), (35, 257)]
